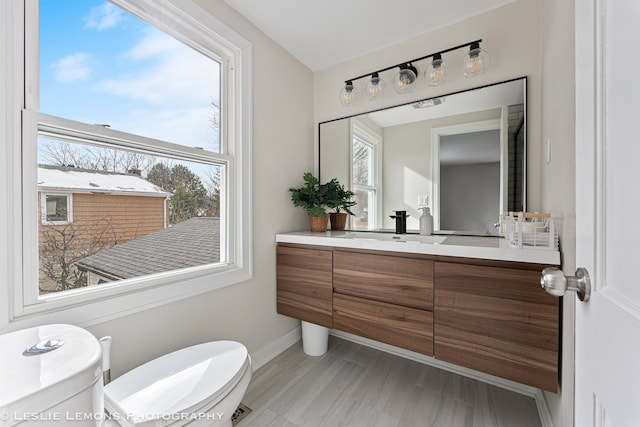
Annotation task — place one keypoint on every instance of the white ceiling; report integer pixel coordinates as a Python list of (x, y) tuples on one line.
[(322, 33)]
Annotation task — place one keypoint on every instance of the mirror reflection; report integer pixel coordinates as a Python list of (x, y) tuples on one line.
[(463, 154)]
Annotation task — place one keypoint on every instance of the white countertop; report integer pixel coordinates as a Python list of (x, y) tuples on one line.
[(495, 248)]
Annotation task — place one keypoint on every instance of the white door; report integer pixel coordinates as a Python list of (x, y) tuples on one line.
[(608, 212)]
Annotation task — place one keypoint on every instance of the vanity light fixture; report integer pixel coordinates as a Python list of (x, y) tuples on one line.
[(403, 81), (375, 87), (348, 94), (475, 63), (436, 72)]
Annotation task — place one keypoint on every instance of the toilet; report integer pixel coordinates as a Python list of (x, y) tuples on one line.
[(53, 374)]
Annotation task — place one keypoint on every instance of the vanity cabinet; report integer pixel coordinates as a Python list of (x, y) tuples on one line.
[(487, 315), (387, 297), (304, 283), (494, 317)]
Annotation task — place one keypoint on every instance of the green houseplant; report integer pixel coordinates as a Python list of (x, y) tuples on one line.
[(339, 199), (312, 197)]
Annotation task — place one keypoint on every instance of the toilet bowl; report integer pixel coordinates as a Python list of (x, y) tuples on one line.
[(59, 381)]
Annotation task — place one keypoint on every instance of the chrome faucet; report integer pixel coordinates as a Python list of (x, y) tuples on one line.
[(401, 221)]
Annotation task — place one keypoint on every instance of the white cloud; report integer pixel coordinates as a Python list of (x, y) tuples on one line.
[(172, 86), (165, 72), (72, 67), (154, 43), (186, 126), (104, 17)]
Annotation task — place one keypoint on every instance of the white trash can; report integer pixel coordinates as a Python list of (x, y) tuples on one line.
[(315, 339)]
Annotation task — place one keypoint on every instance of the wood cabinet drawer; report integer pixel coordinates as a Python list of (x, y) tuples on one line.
[(404, 327), (304, 288), (497, 320), (490, 316), (398, 280)]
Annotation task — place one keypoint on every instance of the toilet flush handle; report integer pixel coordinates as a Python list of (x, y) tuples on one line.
[(105, 342), (43, 347)]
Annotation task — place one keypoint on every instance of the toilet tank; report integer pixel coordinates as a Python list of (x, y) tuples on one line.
[(51, 374)]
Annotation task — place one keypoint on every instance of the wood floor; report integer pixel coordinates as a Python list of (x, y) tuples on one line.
[(353, 385)]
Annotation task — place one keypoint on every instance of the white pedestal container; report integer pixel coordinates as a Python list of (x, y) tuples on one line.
[(315, 339)]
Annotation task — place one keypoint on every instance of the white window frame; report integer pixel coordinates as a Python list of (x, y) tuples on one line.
[(43, 207), (192, 25), (375, 141)]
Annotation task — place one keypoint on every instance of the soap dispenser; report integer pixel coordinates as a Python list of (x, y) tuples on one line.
[(426, 221)]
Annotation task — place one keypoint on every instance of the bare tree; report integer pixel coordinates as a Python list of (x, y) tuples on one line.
[(60, 153), (61, 246), (104, 159), (64, 154), (361, 171), (214, 124), (213, 183), (361, 159), (134, 161), (214, 118)]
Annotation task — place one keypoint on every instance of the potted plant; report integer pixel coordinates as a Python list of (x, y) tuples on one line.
[(312, 197), (339, 199)]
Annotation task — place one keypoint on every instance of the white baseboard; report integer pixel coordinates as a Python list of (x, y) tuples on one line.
[(264, 355), (541, 403), (543, 409)]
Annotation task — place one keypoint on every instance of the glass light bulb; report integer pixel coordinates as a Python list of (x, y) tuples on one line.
[(348, 95), (375, 87), (436, 73), (403, 82), (475, 62)]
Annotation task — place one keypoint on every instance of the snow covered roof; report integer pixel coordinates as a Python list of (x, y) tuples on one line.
[(52, 178)]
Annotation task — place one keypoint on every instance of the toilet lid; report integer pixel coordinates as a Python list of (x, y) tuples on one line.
[(64, 360), (178, 384)]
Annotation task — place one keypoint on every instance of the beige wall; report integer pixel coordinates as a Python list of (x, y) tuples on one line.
[(282, 152), (557, 179), (336, 153)]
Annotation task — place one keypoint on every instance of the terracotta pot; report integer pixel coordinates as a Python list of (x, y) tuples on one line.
[(318, 223), (338, 220)]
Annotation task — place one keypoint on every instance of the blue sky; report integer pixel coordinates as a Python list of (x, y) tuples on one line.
[(99, 64)]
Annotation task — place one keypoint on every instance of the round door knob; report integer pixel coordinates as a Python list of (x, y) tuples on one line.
[(555, 283)]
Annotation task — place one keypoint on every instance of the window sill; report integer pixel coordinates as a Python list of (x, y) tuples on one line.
[(92, 306)]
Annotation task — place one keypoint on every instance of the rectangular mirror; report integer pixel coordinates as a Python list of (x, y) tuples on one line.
[(465, 152)]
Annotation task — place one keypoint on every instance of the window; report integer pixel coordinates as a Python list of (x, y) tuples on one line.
[(56, 208), (365, 176), (135, 149)]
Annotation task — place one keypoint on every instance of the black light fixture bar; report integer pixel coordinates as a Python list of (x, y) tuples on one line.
[(414, 60)]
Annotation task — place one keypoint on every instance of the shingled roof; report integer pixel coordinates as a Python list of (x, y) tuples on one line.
[(190, 243)]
